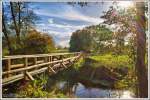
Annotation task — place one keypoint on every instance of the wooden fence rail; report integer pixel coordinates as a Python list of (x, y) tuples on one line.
[(17, 67)]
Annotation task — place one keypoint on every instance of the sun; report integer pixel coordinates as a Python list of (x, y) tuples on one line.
[(125, 4)]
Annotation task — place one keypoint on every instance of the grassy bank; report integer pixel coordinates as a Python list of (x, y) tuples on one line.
[(109, 65), (109, 60)]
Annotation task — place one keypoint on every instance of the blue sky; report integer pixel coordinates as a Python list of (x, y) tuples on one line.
[(61, 19)]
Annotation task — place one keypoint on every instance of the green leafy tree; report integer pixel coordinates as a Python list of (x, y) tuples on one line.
[(81, 40), (92, 38)]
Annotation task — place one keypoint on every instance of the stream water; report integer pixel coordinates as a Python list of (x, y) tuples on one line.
[(79, 90), (72, 87)]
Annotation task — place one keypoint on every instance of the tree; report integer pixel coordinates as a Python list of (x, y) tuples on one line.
[(16, 25), (133, 21), (21, 17), (141, 50), (17, 21), (36, 42), (81, 40), (93, 38)]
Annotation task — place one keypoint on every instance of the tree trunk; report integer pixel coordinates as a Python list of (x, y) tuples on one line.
[(141, 50), (19, 19), (15, 23)]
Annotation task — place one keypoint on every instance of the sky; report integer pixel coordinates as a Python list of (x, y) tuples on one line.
[(61, 19)]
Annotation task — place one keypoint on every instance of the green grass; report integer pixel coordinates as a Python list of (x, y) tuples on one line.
[(109, 60), (79, 64)]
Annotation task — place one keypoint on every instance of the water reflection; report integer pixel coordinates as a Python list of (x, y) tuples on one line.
[(81, 91)]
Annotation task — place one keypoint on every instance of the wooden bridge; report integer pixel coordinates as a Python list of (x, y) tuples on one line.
[(25, 66)]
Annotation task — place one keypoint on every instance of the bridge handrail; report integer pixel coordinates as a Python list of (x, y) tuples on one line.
[(17, 67), (35, 66), (36, 55)]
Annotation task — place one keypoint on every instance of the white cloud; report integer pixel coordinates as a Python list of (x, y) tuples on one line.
[(62, 32), (50, 20), (64, 43), (67, 26), (75, 15), (70, 14)]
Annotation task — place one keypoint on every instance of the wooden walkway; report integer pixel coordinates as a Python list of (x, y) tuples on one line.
[(18, 67)]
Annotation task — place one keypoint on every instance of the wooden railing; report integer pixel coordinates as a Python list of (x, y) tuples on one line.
[(17, 67)]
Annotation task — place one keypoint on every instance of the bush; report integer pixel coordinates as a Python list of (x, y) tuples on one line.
[(35, 89), (36, 42)]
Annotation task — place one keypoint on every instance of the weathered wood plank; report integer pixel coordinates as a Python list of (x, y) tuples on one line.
[(17, 66), (12, 79), (40, 61), (37, 55), (14, 66), (29, 76)]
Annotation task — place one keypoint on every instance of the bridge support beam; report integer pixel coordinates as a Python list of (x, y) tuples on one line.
[(63, 65), (51, 69), (29, 76)]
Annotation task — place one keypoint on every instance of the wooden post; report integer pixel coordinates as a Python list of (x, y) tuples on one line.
[(61, 57), (45, 59), (25, 65), (53, 58), (8, 66), (50, 58), (35, 60)]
